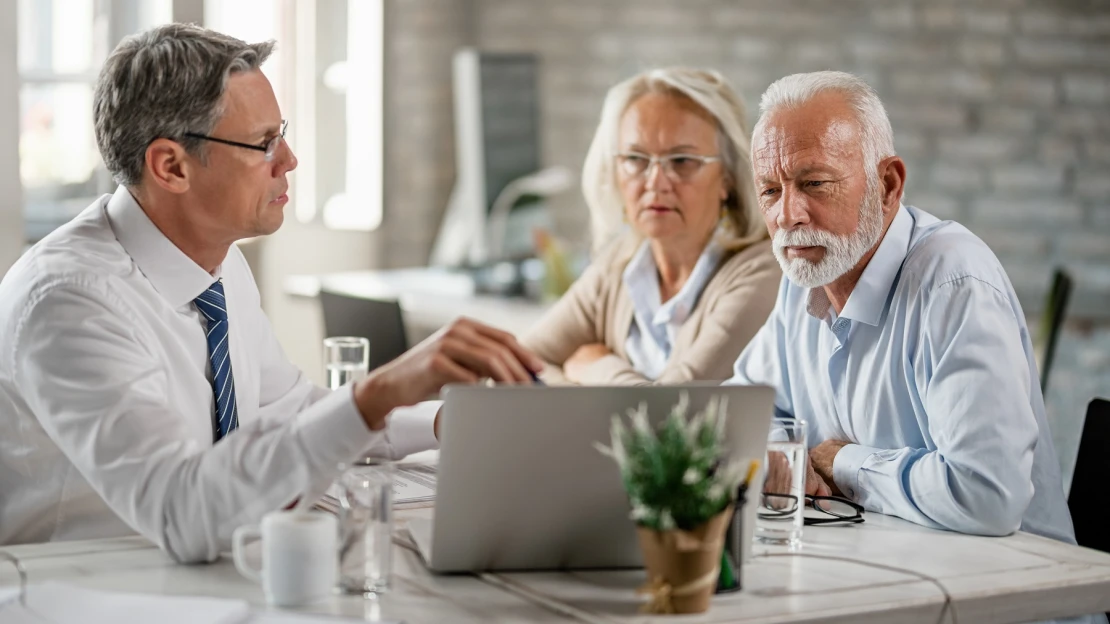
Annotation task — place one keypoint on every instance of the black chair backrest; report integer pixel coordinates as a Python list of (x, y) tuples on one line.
[(377, 320), (1087, 499), (1052, 319)]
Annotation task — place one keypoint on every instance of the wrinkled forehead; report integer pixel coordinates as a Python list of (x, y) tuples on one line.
[(811, 136), (665, 120)]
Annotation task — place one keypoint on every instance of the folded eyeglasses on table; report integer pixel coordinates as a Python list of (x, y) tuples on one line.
[(833, 509)]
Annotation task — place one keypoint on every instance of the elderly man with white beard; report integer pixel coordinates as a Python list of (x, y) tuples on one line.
[(895, 335)]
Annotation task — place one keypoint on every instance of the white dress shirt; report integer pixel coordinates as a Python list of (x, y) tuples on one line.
[(655, 324), (106, 401)]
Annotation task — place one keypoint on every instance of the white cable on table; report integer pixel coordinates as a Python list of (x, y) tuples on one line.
[(949, 606)]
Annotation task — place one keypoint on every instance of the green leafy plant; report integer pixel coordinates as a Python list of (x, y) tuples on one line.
[(676, 477)]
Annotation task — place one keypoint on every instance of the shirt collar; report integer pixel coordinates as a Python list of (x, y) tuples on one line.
[(641, 280), (642, 283), (173, 274), (868, 299)]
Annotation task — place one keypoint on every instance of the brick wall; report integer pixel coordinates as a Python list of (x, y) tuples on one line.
[(1001, 109), (421, 38)]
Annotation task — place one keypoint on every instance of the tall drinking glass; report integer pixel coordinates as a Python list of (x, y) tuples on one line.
[(347, 359), (782, 502), (366, 527)]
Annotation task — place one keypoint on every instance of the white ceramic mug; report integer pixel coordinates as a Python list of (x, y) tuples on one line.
[(299, 556)]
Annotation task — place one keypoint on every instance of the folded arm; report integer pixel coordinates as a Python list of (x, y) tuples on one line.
[(974, 381), (732, 319)]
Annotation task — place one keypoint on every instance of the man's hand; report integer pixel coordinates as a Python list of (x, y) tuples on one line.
[(779, 475), (815, 485), (575, 366), (821, 461), (464, 351)]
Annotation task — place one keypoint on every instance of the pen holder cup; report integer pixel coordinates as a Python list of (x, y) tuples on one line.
[(729, 580)]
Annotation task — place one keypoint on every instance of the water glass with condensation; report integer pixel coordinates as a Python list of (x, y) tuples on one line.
[(782, 501), (347, 359)]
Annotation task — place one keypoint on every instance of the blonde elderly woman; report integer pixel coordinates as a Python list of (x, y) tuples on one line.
[(676, 292)]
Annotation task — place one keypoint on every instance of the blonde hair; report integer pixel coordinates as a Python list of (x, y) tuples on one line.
[(742, 222)]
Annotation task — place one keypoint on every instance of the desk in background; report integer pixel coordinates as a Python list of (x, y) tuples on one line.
[(430, 297)]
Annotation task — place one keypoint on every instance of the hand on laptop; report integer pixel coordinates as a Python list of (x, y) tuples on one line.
[(464, 351)]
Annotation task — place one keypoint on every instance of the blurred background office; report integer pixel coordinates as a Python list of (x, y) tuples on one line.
[(1001, 109)]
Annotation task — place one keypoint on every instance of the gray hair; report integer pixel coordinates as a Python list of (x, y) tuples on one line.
[(796, 90), (709, 90), (164, 83)]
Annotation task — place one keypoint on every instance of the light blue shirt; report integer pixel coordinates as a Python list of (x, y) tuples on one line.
[(655, 324), (929, 372)]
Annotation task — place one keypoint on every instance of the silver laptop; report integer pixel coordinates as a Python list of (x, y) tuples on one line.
[(521, 486)]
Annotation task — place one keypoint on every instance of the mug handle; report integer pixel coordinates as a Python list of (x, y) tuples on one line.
[(238, 543)]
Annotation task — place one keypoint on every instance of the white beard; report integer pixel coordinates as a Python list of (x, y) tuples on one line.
[(842, 253)]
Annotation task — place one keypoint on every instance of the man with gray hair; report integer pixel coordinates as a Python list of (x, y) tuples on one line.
[(141, 386), (896, 336)]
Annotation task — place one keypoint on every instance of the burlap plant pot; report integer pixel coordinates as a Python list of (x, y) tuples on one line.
[(682, 566)]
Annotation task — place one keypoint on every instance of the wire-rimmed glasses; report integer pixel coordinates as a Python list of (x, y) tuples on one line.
[(270, 148), (678, 167), (837, 509)]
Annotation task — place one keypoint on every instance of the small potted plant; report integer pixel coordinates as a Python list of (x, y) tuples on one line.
[(682, 491)]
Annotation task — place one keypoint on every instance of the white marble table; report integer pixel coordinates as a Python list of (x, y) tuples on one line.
[(1019, 578), (134, 565), (991, 580)]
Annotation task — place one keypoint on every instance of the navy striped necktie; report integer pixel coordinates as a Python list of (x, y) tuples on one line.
[(213, 306)]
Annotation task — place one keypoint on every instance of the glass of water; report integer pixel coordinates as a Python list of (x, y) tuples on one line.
[(366, 527), (782, 501), (347, 359)]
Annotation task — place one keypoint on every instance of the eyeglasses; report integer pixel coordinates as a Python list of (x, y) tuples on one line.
[(270, 148), (678, 167), (834, 508)]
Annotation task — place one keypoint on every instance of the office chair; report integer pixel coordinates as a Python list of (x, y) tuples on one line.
[(377, 320), (1052, 319), (1087, 499)]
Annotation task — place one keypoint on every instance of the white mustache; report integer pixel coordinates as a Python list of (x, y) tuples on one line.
[(804, 238)]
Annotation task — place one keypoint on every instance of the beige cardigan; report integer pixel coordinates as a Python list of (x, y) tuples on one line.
[(597, 308)]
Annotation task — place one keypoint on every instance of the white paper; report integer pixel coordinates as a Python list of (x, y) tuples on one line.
[(412, 483)]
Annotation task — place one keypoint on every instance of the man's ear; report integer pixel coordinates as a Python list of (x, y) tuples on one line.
[(892, 178), (169, 165)]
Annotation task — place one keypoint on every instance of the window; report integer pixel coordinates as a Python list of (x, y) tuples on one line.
[(61, 46), (339, 112), (327, 73)]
